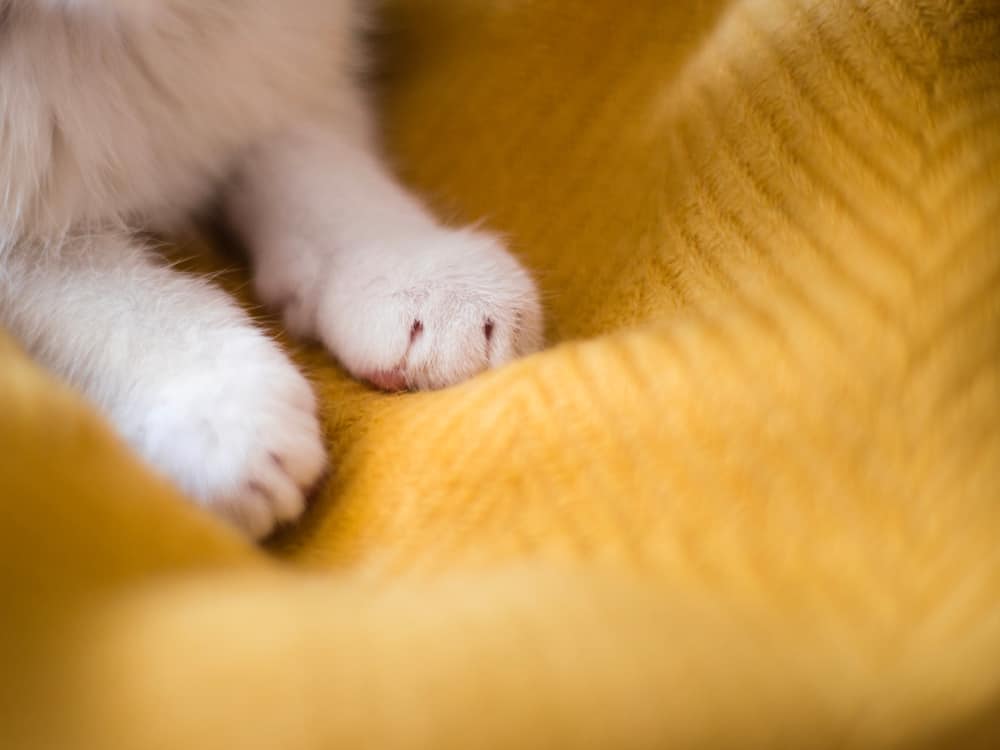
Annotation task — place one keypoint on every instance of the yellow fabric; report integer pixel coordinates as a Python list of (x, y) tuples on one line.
[(750, 499)]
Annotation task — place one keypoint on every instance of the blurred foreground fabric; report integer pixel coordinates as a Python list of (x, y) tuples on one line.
[(749, 498)]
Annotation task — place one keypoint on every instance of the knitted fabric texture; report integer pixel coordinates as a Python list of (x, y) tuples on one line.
[(749, 497)]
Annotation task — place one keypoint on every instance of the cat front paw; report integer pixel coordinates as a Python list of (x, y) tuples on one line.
[(236, 429), (431, 311)]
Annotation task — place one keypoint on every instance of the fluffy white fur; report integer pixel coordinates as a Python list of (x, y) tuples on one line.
[(117, 115)]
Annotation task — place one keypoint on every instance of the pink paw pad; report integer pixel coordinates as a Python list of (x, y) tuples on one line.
[(392, 381)]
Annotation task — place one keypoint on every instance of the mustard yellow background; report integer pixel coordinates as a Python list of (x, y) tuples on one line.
[(749, 498)]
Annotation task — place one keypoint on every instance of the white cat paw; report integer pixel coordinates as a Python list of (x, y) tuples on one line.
[(429, 311), (236, 429)]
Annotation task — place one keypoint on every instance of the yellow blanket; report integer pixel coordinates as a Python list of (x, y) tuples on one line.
[(749, 498)]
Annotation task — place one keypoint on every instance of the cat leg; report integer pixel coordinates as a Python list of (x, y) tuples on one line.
[(200, 392), (353, 259)]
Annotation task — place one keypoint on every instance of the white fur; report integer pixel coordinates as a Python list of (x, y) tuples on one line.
[(122, 114)]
